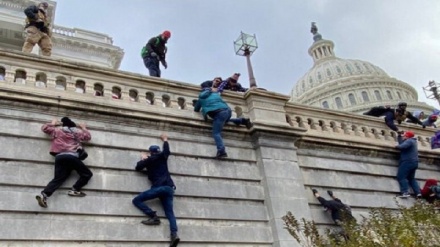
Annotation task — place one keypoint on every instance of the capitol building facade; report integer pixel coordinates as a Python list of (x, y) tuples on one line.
[(349, 85)]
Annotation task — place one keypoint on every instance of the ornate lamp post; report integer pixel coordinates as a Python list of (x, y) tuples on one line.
[(431, 91), (245, 45)]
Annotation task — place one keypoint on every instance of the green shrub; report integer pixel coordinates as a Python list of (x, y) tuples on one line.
[(416, 226)]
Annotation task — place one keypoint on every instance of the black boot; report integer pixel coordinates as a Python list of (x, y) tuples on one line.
[(174, 240)]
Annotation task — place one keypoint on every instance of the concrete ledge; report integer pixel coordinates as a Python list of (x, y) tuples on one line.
[(107, 204), (90, 228)]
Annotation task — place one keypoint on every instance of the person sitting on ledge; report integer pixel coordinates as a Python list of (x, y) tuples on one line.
[(391, 114)]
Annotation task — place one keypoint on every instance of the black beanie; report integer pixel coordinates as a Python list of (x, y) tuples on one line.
[(67, 122)]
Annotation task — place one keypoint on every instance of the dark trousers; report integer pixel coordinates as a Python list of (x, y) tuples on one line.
[(406, 176), (165, 194), (152, 65), (64, 164)]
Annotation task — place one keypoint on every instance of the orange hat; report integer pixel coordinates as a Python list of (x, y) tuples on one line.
[(166, 34), (408, 134)]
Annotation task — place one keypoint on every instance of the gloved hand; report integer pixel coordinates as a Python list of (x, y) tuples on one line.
[(153, 54), (400, 132), (424, 126), (314, 191), (194, 102)]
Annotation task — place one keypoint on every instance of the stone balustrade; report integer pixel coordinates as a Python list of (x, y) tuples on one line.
[(124, 87), (80, 33), (64, 31), (270, 168)]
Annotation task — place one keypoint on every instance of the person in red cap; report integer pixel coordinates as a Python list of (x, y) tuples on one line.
[(37, 29), (154, 52), (408, 164)]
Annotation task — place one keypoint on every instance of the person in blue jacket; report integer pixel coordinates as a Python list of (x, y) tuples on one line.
[(162, 186), (212, 105), (408, 164)]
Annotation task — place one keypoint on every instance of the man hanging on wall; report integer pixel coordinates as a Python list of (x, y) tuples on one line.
[(162, 187), (154, 52), (38, 30), (212, 105), (66, 141), (408, 164)]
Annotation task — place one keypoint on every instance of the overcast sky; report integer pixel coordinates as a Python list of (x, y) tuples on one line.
[(400, 36)]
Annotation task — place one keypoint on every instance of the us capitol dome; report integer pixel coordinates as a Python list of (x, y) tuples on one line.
[(349, 85)]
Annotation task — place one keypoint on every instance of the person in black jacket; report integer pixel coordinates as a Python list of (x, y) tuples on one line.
[(339, 211), (162, 187), (233, 84), (154, 52), (38, 30), (399, 114)]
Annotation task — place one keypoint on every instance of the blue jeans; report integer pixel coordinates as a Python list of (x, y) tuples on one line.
[(165, 194), (219, 120), (406, 175), (236, 121), (152, 65)]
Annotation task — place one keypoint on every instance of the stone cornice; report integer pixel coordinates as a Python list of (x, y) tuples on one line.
[(112, 53)]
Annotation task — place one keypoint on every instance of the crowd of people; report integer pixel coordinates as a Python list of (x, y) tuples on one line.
[(67, 136)]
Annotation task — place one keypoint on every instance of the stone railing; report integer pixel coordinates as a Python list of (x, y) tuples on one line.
[(84, 34), (335, 126), (101, 85), (64, 31)]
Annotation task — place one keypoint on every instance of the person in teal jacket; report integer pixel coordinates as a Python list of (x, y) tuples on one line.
[(213, 106)]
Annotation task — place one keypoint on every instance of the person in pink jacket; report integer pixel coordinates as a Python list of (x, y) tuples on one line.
[(66, 140)]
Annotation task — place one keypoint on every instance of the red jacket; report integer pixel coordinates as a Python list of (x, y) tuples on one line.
[(63, 140), (425, 191)]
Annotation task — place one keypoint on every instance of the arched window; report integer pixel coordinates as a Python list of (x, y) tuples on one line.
[(133, 94), (116, 93), (365, 96), (80, 86), (60, 83), (352, 99), (166, 100), (389, 94), (2, 73), (325, 105), (40, 79), (377, 94), (181, 103), (399, 95), (20, 76), (338, 103), (149, 96), (99, 89)]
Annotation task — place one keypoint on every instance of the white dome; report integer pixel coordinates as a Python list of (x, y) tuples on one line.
[(335, 68), (349, 85)]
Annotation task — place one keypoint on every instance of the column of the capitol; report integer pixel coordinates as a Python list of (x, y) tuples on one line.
[(274, 143)]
